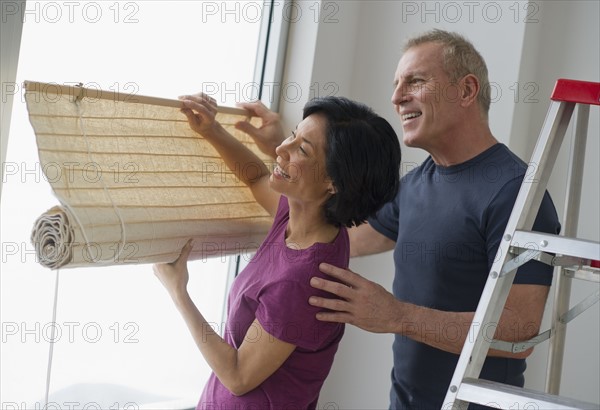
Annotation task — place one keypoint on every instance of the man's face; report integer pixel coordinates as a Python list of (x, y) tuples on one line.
[(424, 97)]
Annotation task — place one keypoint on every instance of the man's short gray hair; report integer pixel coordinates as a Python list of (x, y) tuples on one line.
[(460, 58)]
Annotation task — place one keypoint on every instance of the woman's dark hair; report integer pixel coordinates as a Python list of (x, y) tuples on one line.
[(362, 159)]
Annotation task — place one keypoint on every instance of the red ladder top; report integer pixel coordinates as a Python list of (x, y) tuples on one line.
[(582, 92)]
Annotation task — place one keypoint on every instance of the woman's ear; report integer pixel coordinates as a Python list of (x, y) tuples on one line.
[(331, 189)]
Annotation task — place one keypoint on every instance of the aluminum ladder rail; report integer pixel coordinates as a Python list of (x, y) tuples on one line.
[(577, 258)]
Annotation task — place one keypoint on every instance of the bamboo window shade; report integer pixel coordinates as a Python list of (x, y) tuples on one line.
[(134, 182)]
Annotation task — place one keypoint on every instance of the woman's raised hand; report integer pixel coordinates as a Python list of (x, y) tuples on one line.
[(200, 110), (270, 133)]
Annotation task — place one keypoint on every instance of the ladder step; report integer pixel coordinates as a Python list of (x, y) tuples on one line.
[(503, 396), (561, 245)]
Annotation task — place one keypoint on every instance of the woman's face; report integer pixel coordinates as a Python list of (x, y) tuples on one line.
[(300, 172)]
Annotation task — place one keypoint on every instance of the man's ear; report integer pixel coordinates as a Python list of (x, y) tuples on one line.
[(470, 89)]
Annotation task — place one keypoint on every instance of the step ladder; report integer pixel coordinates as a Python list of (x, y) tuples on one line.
[(574, 258)]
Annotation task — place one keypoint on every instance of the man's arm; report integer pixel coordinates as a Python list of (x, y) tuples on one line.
[(364, 240), (369, 306)]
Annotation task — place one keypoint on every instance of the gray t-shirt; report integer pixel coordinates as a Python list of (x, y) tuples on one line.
[(447, 223)]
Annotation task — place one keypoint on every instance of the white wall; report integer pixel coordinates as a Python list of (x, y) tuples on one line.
[(11, 29), (523, 44)]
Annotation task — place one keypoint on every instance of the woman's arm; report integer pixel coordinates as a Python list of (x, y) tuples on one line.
[(247, 166), (240, 370)]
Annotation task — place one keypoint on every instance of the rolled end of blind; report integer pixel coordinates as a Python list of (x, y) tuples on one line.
[(59, 241), (135, 182), (51, 237)]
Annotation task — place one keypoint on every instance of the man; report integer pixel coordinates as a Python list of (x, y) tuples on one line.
[(445, 226)]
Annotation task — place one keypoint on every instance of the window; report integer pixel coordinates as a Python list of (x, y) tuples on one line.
[(118, 340)]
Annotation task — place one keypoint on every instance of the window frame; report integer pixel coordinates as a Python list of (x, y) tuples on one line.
[(268, 74)]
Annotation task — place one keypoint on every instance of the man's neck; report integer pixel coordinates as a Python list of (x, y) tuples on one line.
[(462, 147)]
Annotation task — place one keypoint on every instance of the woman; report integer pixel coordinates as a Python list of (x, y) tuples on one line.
[(338, 167)]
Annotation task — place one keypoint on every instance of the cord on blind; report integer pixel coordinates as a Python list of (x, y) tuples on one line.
[(134, 182)]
